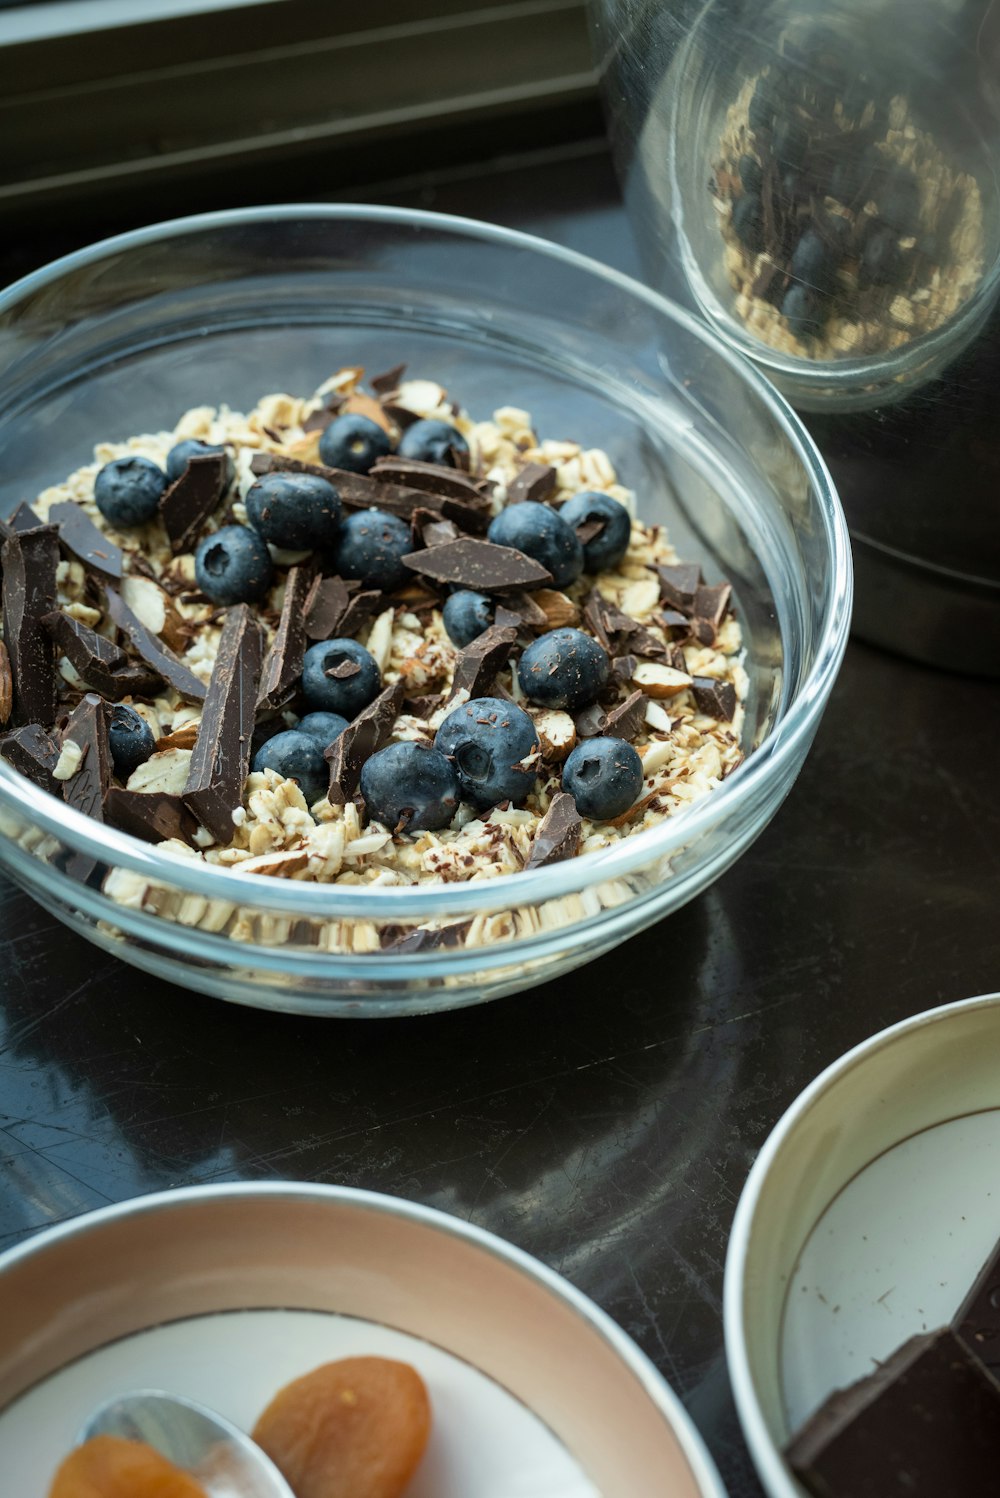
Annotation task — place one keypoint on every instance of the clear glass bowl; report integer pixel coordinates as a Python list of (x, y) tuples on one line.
[(125, 336)]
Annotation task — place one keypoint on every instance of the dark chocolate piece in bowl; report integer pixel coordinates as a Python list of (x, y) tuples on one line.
[(190, 500), (33, 751), (152, 649), (480, 565), (98, 661), (558, 833), (84, 540), (30, 559), (87, 726), (283, 664), (152, 816), (925, 1424), (221, 755), (359, 741)]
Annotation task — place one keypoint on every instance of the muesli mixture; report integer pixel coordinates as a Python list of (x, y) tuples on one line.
[(848, 231), (361, 637)]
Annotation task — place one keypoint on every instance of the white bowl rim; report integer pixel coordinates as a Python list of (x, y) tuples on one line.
[(568, 877), (767, 1458), (663, 1397)]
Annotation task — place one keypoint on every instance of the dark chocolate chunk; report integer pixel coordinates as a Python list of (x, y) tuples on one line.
[(619, 632), (479, 565), (977, 1320), (33, 752), (678, 585), (524, 608), (30, 559), (625, 720), (431, 529), (925, 1424), (423, 939), (221, 755), (152, 649), (100, 663), (673, 619), (715, 698), (588, 529), (535, 481), (623, 668), (360, 609), (319, 420), (389, 381), (423, 706), (590, 721), (479, 662), (558, 834), (359, 741), (153, 816), (434, 478), (23, 519), (343, 671), (189, 501), (87, 542), (508, 618), (87, 726), (359, 491), (283, 665), (708, 610), (324, 607)]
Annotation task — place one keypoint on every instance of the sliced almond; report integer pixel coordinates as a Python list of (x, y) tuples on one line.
[(556, 734), (656, 754), (660, 681), (360, 404), (147, 601), (181, 737), (380, 638), (6, 685), (557, 608), (166, 772), (657, 717), (280, 865), (420, 396)]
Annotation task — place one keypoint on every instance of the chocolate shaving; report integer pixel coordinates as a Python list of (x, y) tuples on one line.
[(588, 529), (283, 665), (189, 501), (23, 519), (389, 381), (535, 481), (33, 753), (30, 559), (83, 539), (625, 720), (401, 415), (480, 565), (717, 699), (152, 816), (100, 663), (152, 649), (87, 726), (479, 662), (359, 741), (677, 659), (558, 833), (422, 939), (678, 585), (344, 670), (221, 755)]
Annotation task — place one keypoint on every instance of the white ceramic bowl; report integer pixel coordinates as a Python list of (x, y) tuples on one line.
[(225, 1292), (865, 1219)]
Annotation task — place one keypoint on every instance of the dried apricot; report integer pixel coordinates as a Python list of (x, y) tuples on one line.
[(108, 1467), (352, 1429)]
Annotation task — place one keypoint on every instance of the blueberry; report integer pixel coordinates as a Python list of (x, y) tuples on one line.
[(564, 669), (748, 222), (233, 566), (486, 740), (130, 739), (604, 777), (751, 174), (814, 262), (607, 548), (298, 511), (127, 491), (323, 727), (803, 310), (371, 547), (353, 442), (296, 756), (356, 683), (542, 534), (182, 452), (466, 615), (433, 442), (409, 786)]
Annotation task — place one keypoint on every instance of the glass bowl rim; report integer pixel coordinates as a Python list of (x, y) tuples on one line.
[(331, 900)]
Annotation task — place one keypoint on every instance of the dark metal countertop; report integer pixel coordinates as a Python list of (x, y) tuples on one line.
[(606, 1122)]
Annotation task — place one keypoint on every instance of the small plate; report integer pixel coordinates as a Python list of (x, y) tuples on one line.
[(865, 1219), (224, 1293)]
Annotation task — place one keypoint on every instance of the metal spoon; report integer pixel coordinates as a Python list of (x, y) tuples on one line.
[(218, 1455)]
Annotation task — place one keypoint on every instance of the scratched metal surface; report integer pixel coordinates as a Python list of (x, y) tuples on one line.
[(605, 1123)]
